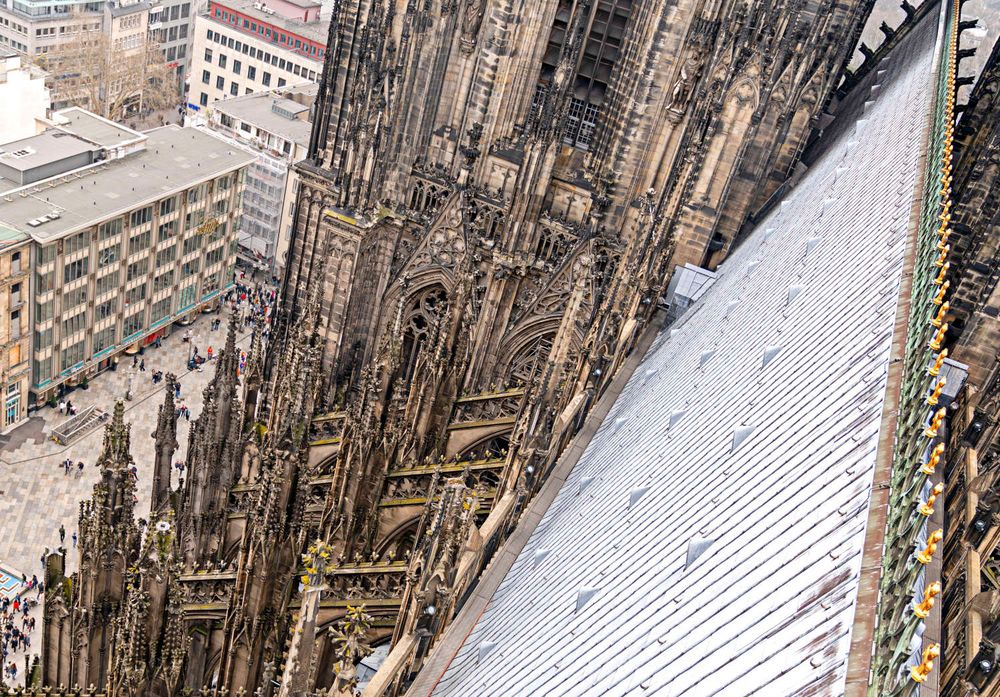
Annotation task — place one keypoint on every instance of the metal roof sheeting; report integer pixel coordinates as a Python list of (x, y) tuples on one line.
[(599, 601)]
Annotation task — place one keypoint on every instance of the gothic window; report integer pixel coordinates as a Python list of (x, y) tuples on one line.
[(417, 197), (529, 361), (426, 308), (552, 246), (425, 196), (600, 52)]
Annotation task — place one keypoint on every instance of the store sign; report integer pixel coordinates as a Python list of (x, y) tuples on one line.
[(208, 227)]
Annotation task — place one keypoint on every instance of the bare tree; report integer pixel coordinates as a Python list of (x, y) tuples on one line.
[(112, 81)]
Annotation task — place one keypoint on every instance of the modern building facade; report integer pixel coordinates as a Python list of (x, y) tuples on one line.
[(25, 97), (243, 47), (129, 233), (15, 356), (171, 24), (276, 126), (32, 28), (67, 37)]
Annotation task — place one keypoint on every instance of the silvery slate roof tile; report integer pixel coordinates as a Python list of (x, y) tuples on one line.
[(767, 607)]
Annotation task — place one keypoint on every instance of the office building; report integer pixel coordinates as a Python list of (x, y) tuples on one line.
[(129, 232), (275, 125), (246, 47), (171, 24), (14, 353)]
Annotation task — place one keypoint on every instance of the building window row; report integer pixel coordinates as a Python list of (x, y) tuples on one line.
[(257, 54), (289, 40)]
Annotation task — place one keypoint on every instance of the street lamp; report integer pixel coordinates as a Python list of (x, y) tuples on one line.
[(128, 390)]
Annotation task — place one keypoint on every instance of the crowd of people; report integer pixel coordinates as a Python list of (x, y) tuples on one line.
[(18, 624)]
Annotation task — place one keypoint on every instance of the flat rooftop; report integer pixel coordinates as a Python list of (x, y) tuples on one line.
[(257, 109), (39, 150), (175, 158), (92, 127), (314, 31)]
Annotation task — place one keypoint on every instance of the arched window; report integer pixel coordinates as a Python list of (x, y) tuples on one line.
[(425, 308)]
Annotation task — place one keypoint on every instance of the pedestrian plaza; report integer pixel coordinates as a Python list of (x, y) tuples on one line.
[(37, 495)]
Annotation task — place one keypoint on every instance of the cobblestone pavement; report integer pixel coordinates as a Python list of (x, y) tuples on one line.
[(35, 493)]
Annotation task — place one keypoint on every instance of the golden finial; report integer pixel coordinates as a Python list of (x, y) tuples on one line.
[(943, 242), (940, 261), (927, 508), (923, 609), (935, 342), (938, 321), (939, 296), (932, 430), (944, 272), (932, 398), (919, 673), (925, 556)]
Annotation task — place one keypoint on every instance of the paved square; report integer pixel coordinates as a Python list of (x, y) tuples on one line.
[(36, 495)]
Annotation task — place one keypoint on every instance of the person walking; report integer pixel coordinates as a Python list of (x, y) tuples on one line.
[(62, 406), (142, 366), (62, 533), (74, 540), (79, 469)]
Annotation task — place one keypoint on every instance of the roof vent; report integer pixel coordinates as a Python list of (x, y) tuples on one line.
[(705, 357), (485, 649), (540, 555), (793, 292), (813, 241), (739, 436), (584, 596), (696, 547), (731, 305), (676, 415), (769, 231), (585, 482), (769, 353), (752, 265), (636, 494)]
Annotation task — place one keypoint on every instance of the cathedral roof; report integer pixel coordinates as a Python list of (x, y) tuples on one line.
[(709, 540)]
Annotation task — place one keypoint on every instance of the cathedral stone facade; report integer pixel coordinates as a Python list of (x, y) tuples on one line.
[(495, 195)]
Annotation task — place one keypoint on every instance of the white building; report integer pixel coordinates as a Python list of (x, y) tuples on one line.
[(243, 47), (276, 127), (24, 97)]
